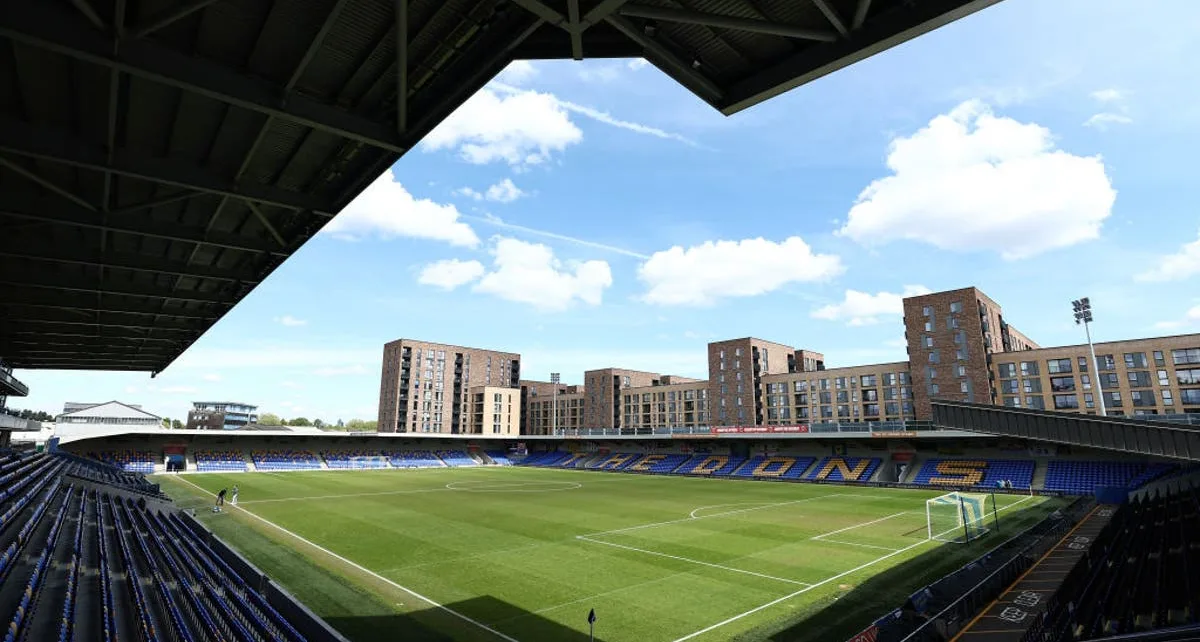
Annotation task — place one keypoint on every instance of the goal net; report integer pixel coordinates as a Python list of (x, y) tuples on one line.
[(960, 517)]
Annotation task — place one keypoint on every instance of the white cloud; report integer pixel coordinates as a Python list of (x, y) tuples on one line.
[(530, 273), (1175, 267), (518, 72), (972, 181), (603, 117), (638, 63), (599, 73), (387, 210), (703, 274), (1116, 113), (211, 377), (503, 192), (1190, 318), (496, 221), (290, 321), (864, 308), (517, 127), (1104, 119), (339, 371), (450, 273)]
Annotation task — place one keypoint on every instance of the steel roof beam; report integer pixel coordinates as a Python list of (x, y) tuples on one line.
[(660, 52), (49, 185), (53, 322), (884, 31), (832, 16), (51, 144), (401, 66), (88, 304), (158, 21), (860, 14), (41, 281), (573, 28), (598, 13), (63, 216), (545, 13), (43, 25), (725, 22), (37, 334), (131, 262)]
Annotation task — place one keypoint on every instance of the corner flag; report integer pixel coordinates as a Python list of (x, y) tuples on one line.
[(592, 616), (592, 624)]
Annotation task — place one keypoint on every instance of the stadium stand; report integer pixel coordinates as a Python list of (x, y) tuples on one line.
[(545, 459), (134, 461), (774, 467), (456, 458), (355, 459), (499, 457), (1084, 477), (276, 460), (715, 465), (845, 469), (1140, 574), (413, 459), (220, 461), (976, 472), (87, 561), (657, 464)]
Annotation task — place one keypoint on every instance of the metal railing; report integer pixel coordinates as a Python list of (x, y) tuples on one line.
[(12, 382), (859, 427)]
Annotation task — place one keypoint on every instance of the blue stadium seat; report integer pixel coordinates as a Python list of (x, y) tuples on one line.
[(1084, 477), (979, 472)]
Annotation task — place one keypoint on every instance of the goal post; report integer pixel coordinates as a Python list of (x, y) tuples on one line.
[(960, 517)]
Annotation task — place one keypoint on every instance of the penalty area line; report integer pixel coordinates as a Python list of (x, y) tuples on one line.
[(692, 561), (368, 571)]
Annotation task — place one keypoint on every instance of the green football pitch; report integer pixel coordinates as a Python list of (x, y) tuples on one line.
[(524, 554)]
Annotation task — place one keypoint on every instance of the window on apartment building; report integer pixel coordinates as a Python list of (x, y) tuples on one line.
[(867, 381), (843, 412), (870, 395), (904, 378), (1167, 399), (956, 307), (1107, 362), (1029, 369), (1062, 384), (1188, 377), (1065, 402), (962, 370), (952, 323), (933, 389), (1163, 379), (1112, 399), (1032, 385), (724, 389), (962, 386), (960, 354), (739, 376), (1190, 396), (1085, 381), (934, 357), (737, 352), (1083, 364), (839, 383), (927, 342), (932, 373), (737, 364), (1035, 402), (891, 409), (824, 384), (1136, 360), (1139, 379), (960, 338), (1142, 398), (1007, 370), (843, 396), (1058, 366), (1012, 402), (800, 386), (826, 397), (889, 379), (1109, 380), (1010, 386), (927, 311), (870, 410), (1089, 400), (1158, 358), (929, 326)]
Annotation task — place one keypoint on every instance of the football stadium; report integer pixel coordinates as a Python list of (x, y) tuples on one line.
[(160, 159)]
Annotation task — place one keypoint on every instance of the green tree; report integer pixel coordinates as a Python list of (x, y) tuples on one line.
[(166, 423), (270, 419), (300, 421), (176, 424), (317, 423)]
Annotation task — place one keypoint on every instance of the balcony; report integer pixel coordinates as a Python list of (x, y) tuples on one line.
[(10, 386)]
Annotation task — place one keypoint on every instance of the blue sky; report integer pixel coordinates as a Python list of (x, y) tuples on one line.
[(597, 214)]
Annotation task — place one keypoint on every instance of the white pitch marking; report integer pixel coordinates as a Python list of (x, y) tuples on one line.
[(850, 528), (835, 541), (688, 559), (386, 492), (693, 514), (826, 581), (730, 512), (369, 571)]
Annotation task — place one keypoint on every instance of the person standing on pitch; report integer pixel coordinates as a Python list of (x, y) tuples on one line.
[(233, 500), (220, 501)]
